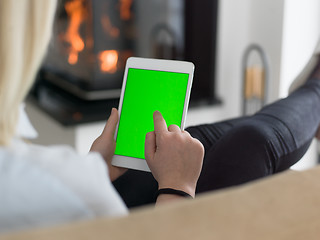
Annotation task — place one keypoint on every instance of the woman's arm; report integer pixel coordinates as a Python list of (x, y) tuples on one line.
[(174, 158)]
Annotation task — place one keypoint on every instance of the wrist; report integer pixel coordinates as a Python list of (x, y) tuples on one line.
[(115, 172), (190, 190), (171, 191)]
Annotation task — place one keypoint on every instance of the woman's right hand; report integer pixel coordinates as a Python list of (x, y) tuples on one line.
[(174, 157)]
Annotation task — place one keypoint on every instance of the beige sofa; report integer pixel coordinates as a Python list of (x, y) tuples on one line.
[(285, 206)]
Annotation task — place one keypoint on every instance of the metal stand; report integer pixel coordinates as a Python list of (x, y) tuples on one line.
[(255, 81)]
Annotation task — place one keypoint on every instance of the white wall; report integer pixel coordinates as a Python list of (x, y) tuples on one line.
[(233, 32), (300, 35), (287, 30), (240, 24), (266, 27)]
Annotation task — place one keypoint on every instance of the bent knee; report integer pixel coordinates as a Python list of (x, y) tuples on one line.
[(253, 133)]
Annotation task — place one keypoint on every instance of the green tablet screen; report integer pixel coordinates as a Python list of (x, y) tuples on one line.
[(147, 91)]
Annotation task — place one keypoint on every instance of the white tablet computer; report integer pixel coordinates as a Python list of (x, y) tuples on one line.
[(149, 85)]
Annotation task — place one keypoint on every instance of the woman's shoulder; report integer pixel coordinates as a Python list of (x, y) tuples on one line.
[(56, 175), (31, 197)]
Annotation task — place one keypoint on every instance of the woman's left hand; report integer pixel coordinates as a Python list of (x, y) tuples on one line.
[(105, 145)]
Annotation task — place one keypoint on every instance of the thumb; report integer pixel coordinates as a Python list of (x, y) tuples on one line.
[(111, 125), (150, 145)]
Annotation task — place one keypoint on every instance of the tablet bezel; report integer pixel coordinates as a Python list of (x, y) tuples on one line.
[(157, 65)]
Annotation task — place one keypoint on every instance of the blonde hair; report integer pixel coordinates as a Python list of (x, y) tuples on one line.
[(25, 31)]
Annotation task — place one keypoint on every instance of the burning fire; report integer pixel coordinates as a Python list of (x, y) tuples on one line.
[(107, 26), (76, 12), (108, 60), (125, 12)]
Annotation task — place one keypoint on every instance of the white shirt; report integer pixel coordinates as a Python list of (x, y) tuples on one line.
[(41, 186)]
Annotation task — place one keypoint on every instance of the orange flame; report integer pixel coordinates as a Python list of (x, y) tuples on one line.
[(108, 60), (76, 12), (107, 26), (125, 13)]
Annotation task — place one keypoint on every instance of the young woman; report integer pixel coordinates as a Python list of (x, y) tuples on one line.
[(47, 185)]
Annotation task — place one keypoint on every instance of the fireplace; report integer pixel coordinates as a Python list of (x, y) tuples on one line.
[(92, 40)]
